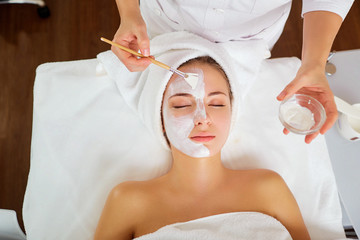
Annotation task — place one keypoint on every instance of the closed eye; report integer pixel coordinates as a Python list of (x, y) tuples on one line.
[(217, 105), (182, 106)]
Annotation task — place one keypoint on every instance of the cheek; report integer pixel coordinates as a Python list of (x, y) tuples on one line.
[(179, 126), (180, 122), (222, 116), (182, 112), (222, 119)]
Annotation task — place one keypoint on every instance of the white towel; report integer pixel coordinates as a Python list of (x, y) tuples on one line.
[(227, 226)]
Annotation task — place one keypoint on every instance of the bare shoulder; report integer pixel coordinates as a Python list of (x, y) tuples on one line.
[(124, 207), (263, 188), (134, 197), (269, 177), (267, 183), (261, 177), (129, 191), (277, 200)]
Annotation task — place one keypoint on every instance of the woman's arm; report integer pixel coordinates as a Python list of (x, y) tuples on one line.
[(132, 34), (118, 218), (128, 8), (319, 31)]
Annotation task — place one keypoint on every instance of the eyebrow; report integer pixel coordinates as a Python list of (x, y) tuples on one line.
[(216, 93), (189, 95), (181, 95)]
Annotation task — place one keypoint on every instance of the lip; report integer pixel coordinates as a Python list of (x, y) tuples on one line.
[(202, 138)]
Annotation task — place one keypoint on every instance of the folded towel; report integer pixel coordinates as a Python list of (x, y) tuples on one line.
[(227, 226)]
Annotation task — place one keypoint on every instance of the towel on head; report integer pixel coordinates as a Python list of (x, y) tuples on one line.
[(227, 226), (143, 91)]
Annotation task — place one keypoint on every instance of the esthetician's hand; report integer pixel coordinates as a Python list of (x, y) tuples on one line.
[(132, 34), (311, 80)]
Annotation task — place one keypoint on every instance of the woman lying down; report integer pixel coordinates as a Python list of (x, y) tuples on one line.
[(199, 198)]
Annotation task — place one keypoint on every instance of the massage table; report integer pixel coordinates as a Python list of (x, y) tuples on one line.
[(81, 149)]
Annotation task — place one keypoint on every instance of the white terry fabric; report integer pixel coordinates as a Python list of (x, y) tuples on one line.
[(86, 139), (340, 7), (228, 226)]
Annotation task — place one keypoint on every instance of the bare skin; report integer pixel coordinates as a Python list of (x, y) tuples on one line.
[(199, 187), (196, 188)]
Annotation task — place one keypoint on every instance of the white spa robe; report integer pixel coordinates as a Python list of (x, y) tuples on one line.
[(229, 20)]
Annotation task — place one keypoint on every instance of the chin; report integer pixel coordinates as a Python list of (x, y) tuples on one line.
[(214, 152)]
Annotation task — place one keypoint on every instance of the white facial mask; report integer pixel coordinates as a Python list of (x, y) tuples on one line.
[(178, 129)]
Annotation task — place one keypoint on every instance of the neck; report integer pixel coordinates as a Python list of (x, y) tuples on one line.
[(199, 175)]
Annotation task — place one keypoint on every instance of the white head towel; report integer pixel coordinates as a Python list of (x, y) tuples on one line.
[(143, 91)]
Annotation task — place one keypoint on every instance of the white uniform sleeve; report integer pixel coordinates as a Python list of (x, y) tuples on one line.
[(340, 7)]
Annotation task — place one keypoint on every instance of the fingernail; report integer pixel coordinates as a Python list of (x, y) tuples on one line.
[(146, 52), (281, 95)]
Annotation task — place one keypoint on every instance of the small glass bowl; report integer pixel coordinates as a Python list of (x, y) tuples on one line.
[(302, 114)]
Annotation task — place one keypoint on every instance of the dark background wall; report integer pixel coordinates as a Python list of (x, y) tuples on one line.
[(72, 32)]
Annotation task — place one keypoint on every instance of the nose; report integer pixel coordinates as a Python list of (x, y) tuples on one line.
[(202, 121), (200, 117)]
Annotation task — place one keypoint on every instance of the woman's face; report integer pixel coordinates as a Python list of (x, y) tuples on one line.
[(197, 121)]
